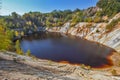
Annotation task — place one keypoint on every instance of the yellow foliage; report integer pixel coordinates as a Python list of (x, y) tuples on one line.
[(16, 33), (22, 33)]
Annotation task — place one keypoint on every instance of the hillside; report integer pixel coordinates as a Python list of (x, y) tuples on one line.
[(32, 21)]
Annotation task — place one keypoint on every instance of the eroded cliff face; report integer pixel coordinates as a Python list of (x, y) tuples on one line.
[(111, 39), (93, 31)]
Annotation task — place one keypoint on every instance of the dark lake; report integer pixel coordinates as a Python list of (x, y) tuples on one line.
[(59, 48)]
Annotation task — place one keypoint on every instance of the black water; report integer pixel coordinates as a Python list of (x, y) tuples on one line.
[(56, 47)]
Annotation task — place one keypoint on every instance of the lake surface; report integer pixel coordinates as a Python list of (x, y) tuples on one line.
[(59, 48)]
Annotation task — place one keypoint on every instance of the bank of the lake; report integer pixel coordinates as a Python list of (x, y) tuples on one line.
[(95, 32), (70, 49), (13, 66)]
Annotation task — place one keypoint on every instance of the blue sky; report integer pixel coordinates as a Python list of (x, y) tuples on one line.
[(23, 6)]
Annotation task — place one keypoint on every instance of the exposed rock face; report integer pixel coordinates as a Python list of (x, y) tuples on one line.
[(17, 67), (94, 32), (115, 17), (65, 28), (92, 10), (112, 39), (81, 29)]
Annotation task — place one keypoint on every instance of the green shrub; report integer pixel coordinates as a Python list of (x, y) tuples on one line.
[(28, 53), (112, 24), (97, 19), (18, 48), (5, 39), (97, 31), (114, 72), (73, 24), (85, 67)]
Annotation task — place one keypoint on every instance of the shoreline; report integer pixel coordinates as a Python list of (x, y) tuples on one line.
[(84, 39), (44, 69), (104, 66)]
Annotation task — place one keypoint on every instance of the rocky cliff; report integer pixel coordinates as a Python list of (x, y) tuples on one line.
[(94, 32)]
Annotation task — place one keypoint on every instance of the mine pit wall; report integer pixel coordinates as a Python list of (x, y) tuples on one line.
[(94, 32)]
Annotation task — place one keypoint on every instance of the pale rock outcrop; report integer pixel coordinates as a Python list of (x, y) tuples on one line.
[(65, 28), (112, 39), (114, 18), (94, 32), (18, 67), (81, 29)]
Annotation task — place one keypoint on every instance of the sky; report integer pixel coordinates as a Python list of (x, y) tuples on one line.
[(44, 6)]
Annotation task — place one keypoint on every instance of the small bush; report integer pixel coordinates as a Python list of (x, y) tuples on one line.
[(3, 50), (18, 48), (88, 67), (97, 31), (114, 72), (112, 24), (97, 20), (15, 60), (73, 24), (28, 53), (85, 67), (89, 25)]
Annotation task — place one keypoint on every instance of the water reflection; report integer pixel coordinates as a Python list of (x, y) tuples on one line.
[(55, 47)]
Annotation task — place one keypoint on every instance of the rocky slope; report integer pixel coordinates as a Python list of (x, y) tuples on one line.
[(17, 67), (94, 32)]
